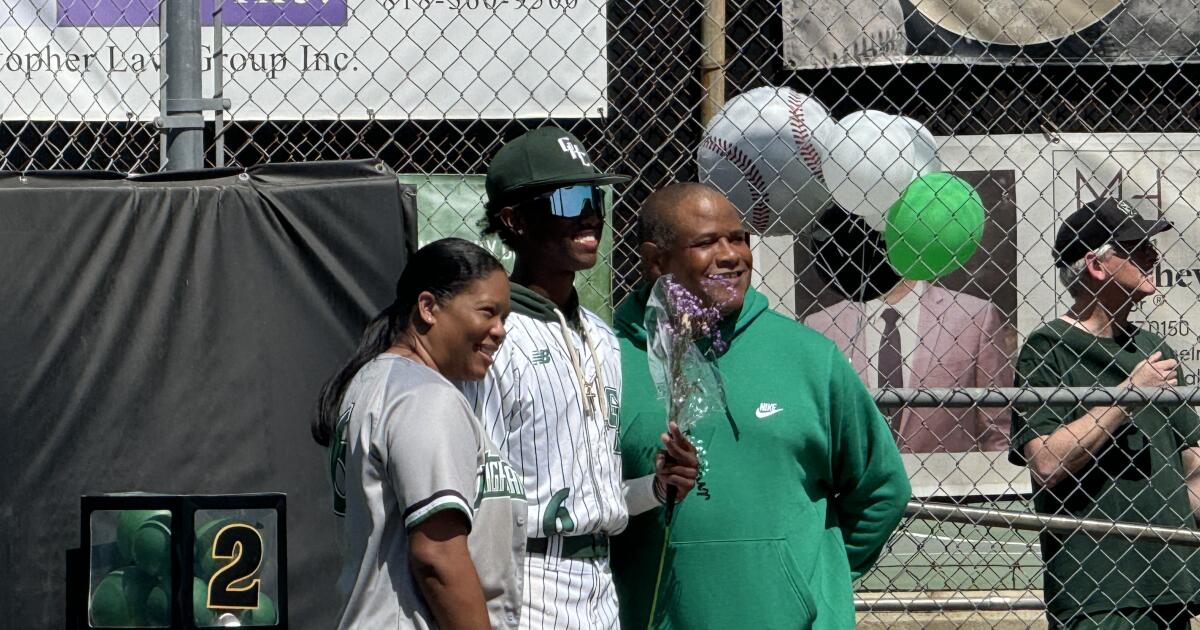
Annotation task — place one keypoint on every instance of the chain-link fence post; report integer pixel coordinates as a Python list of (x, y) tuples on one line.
[(218, 66), (182, 121), (712, 64)]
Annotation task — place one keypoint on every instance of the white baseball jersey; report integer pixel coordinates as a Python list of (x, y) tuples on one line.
[(551, 402)]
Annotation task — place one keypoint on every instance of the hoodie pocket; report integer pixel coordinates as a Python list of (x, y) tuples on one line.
[(735, 584)]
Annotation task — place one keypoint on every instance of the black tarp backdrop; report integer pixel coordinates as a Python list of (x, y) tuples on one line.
[(169, 334)]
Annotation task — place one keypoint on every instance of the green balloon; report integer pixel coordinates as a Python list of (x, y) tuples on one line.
[(152, 548), (934, 227), (263, 615), (107, 606), (158, 607), (120, 599), (128, 523), (201, 613)]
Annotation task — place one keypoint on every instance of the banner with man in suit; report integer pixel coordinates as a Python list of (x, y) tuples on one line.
[(956, 331)]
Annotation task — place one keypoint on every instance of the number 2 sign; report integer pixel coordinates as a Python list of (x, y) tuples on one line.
[(180, 562), (235, 585)]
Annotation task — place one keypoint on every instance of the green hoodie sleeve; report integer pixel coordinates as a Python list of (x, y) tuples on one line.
[(871, 483)]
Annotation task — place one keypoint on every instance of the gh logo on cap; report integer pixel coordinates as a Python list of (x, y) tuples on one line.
[(574, 150)]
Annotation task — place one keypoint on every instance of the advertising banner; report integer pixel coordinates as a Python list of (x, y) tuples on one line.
[(313, 60), (825, 33)]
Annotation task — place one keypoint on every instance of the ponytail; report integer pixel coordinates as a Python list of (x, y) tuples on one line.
[(375, 340)]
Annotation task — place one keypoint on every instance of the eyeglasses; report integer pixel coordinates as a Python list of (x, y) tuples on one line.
[(569, 202), (1143, 254), (1135, 249)]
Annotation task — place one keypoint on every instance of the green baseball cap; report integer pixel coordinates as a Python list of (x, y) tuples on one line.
[(540, 160)]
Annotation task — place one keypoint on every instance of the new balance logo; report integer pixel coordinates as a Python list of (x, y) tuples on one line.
[(539, 357), (574, 150), (766, 410), (1128, 209)]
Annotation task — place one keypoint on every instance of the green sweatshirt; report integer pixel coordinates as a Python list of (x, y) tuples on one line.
[(804, 484)]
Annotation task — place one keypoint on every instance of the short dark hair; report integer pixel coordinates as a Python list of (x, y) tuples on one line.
[(655, 223), (491, 224)]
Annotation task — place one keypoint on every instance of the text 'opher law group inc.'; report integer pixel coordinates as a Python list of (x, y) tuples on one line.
[(113, 59)]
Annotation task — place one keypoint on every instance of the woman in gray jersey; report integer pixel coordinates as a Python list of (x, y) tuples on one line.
[(435, 517)]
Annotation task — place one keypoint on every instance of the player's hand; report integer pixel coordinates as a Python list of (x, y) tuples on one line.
[(1155, 371), (676, 464)]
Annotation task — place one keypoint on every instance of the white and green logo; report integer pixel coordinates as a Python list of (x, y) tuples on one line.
[(540, 356), (574, 150)]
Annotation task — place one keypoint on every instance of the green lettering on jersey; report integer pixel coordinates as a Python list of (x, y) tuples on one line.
[(337, 461), (614, 407), (557, 519), (496, 479), (614, 416)]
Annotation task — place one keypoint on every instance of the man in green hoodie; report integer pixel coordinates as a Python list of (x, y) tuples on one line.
[(803, 483)]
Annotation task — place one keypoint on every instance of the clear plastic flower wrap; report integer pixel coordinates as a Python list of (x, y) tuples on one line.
[(679, 326)]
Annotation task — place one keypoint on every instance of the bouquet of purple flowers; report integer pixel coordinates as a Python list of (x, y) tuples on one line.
[(678, 323)]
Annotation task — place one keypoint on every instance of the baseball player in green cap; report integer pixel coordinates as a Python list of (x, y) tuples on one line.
[(551, 400)]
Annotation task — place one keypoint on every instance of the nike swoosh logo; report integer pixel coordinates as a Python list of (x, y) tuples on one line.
[(766, 413)]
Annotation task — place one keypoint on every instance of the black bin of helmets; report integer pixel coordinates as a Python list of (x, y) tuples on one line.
[(180, 562)]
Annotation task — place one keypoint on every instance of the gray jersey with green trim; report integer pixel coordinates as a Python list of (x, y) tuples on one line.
[(410, 446)]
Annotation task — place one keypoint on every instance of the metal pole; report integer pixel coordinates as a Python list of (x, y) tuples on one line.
[(1035, 396), (898, 604), (219, 82), (712, 62), (1028, 521), (184, 122)]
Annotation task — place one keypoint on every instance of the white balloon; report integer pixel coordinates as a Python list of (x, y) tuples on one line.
[(875, 157), (764, 151)]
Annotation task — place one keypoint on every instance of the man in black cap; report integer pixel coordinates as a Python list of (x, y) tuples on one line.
[(1109, 462), (551, 399)]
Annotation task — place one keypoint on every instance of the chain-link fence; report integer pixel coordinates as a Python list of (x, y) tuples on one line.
[(1035, 107)]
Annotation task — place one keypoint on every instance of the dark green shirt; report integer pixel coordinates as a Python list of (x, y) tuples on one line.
[(1136, 477)]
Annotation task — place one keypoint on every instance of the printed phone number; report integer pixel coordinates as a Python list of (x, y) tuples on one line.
[(1170, 328), (474, 5)]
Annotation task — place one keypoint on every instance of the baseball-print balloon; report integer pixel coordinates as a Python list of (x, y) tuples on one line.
[(763, 150)]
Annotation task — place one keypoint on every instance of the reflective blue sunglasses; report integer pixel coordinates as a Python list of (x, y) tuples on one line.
[(569, 202)]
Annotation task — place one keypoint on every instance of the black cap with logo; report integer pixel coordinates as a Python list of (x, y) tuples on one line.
[(1099, 223), (538, 161)]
